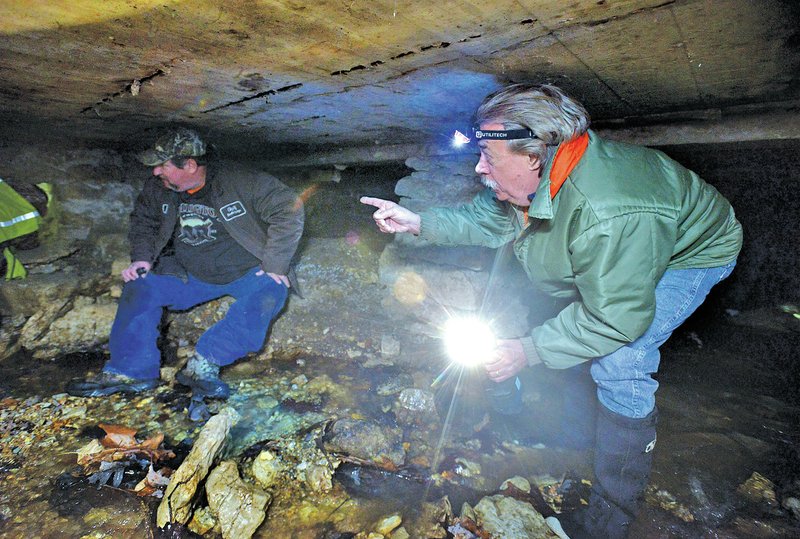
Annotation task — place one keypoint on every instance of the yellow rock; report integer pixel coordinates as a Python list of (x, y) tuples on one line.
[(385, 526)]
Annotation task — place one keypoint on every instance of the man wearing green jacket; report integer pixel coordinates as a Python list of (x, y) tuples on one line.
[(629, 239)]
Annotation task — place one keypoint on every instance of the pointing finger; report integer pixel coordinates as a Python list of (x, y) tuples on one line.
[(372, 201)]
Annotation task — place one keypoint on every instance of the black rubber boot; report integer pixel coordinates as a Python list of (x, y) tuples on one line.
[(203, 377), (622, 462), (108, 383)]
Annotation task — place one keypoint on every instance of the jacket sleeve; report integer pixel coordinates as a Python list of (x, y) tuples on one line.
[(144, 224), (485, 222), (617, 264), (281, 212)]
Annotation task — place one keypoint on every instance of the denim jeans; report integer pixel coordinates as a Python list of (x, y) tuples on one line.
[(132, 343), (624, 378)]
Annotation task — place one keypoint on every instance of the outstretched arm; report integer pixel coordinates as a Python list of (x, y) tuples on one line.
[(392, 217)]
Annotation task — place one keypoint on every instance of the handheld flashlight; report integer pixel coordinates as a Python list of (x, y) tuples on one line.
[(469, 341)]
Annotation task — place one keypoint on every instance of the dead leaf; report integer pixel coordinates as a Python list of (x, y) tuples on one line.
[(87, 452), (118, 436), (154, 479), (119, 444), (153, 442)]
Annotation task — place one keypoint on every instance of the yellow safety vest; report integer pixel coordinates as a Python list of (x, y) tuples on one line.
[(17, 218)]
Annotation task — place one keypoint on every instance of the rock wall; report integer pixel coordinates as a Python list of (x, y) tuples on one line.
[(353, 276), (760, 180), (68, 302), (430, 284)]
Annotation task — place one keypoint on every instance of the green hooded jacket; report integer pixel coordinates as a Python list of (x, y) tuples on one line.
[(624, 215)]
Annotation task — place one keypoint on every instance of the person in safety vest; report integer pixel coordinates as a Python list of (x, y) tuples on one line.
[(630, 239), (22, 208)]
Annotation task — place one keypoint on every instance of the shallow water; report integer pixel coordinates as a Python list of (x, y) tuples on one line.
[(728, 406)]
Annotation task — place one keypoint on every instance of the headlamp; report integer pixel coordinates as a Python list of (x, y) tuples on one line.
[(459, 138), (505, 134)]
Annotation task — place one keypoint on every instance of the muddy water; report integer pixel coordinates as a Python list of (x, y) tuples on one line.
[(728, 406)]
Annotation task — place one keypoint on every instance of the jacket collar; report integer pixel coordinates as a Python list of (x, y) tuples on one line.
[(542, 204)]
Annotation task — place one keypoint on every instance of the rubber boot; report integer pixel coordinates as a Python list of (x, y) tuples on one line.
[(203, 377), (622, 462)]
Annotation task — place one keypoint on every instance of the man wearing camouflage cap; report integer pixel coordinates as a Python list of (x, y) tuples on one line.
[(197, 234)]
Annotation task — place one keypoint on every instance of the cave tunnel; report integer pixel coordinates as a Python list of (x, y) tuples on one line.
[(352, 417)]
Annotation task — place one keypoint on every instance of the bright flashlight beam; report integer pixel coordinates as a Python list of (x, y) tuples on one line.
[(469, 341), (459, 139)]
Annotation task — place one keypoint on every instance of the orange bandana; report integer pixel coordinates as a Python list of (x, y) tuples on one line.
[(566, 158)]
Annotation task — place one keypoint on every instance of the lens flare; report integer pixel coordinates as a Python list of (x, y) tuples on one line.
[(469, 341)]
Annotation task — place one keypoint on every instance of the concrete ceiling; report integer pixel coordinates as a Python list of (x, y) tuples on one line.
[(292, 78)]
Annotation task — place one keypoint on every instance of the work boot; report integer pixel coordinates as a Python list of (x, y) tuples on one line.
[(622, 462), (108, 383), (203, 377)]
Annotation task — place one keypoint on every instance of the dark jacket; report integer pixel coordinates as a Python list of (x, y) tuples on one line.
[(262, 214)]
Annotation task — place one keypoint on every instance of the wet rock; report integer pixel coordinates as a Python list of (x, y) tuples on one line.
[(177, 503), (388, 524), (30, 296), (758, 529), (468, 468), (432, 520), (203, 521), (792, 505), (390, 346), (416, 407), (760, 490), (519, 482), (267, 469), (318, 477), (167, 374), (128, 523), (72, 326), (509, 518), (706, 509), (367, 441), (395, 385), (666, 501), (400, 533), (240, 508)]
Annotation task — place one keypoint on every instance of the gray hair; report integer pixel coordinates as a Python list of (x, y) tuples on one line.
[(552, 115)]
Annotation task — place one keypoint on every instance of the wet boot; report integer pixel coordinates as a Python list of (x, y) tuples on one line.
[(623, 459), (108, 383), (202, 377), (198, 409)]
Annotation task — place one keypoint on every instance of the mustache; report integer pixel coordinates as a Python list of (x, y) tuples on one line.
[(490, 183)]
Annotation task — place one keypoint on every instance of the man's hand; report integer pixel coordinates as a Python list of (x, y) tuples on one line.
[(131, 272), (509, 360), (280, 279), (392, 217)]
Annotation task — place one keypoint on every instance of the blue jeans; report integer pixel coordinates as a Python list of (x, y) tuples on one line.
[(133, 338), (624, 378)]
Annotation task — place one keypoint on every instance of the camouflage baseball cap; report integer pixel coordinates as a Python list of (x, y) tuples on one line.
[(180, 142)]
